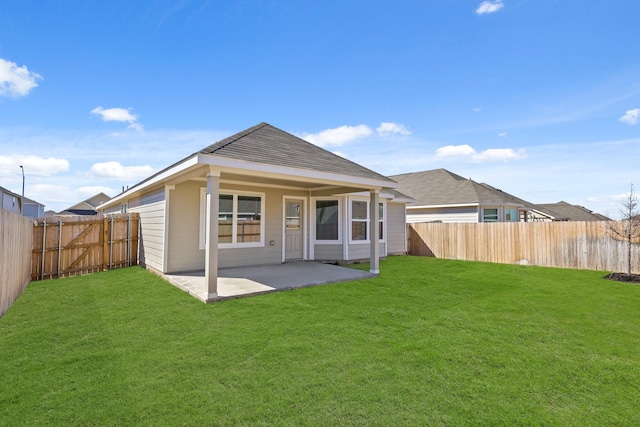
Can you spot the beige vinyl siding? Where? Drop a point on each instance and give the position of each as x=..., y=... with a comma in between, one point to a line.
x=360, y=251
x=330, y=252
x=151, y=208
x=454, y=214
x=183, y=252
x=111, y=210
x=396, y=228
x=273, y=217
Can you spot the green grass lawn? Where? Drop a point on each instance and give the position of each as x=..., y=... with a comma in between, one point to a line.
x=429, y=342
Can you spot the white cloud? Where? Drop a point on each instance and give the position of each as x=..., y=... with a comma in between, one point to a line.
x=502, y=134
x=498, y=155
x=48, y=193
x=90, y=191
x=16, y=81
x=338, y=136
x=489, y=7
x=119, y=115
x=631, y=117
x=115, y=171
x=387, y=129
x=455, y=151
x=476, y=109
x=489, y=155
x=33, y=165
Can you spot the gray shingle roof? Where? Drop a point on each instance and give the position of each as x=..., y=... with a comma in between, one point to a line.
x=266, y=144
x=573, y=212
x=441, y=187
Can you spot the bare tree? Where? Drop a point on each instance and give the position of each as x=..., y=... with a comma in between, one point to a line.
x=628, y=228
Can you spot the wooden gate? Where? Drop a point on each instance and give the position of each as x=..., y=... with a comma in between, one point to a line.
x=72, y=246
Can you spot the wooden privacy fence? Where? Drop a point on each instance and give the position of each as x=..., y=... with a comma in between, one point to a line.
x=16, y=235
x=77, y=245
x=571, y=244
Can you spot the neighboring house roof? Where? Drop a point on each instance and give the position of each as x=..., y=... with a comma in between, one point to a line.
x=86, y=207
x=440, y=187
x=572, y=212
x=276, y=156
x=96, y=200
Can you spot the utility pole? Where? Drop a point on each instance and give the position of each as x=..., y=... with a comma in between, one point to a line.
x=22, y=200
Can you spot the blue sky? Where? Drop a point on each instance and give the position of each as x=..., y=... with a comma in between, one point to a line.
x=538, y=98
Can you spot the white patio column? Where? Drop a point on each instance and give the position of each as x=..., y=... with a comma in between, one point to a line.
x=374, y=237
x=211, y=245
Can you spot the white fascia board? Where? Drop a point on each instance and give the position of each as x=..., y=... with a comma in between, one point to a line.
x=458, y=205
x=386, y=195
x=402, y=199
x=285, y=172
x=383, y=195
x=503, y=205
x=154, y=180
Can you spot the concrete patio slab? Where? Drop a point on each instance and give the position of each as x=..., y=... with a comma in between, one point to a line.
x=246, y=281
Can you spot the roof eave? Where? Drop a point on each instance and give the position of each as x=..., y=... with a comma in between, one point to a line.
x=454, y=205
x=152, y=181
x=286, y=172
x=235, y=165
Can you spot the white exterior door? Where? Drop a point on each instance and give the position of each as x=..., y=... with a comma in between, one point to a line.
x=293, y=221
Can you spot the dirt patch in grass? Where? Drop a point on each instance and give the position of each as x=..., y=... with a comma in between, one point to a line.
x=623, y=277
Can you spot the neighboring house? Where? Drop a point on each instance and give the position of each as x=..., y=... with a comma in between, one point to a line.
x=263, y=196
x=11, y=201
x=443, y=196
x=563, y=211
x=86, y=207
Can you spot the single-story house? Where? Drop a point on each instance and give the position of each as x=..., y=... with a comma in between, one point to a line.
x=259, y=197
x=443, y=196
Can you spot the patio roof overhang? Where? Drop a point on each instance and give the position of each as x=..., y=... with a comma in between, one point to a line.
x=234, y=171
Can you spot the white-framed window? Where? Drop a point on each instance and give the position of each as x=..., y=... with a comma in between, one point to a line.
x=359, y=220
x=327, y=220
x=359, y=224
x=490, y=215
x=124, y=208
x=511, y=215
x=240, y=219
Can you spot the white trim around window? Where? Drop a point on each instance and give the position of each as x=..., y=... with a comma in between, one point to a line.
x=365, y=220
x=235, y=221
x=313, y=216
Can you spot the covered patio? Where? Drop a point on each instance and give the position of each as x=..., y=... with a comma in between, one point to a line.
x=247, y=281
x=262, y=197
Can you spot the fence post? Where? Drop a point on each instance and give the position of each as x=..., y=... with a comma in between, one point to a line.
x=111, y=242
x=44, y=246
x=105, y=242
x=128, y=240
x=59, y=245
